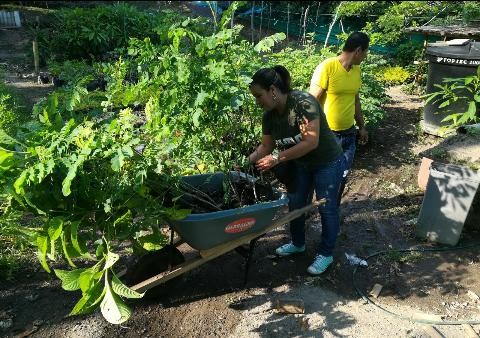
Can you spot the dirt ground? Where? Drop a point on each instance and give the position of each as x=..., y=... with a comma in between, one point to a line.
x=379, y=209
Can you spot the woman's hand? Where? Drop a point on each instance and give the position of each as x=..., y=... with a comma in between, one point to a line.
x=266, y=163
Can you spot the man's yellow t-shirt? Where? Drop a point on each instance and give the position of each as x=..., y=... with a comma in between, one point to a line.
x=340, y=87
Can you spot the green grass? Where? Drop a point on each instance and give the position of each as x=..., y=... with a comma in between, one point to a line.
x=16, y=252
x=13, y=110
x=397, y=256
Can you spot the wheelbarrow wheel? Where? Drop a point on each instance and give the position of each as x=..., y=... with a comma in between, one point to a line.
x=152, y=264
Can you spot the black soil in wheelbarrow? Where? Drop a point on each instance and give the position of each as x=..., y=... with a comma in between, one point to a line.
x=240, y=194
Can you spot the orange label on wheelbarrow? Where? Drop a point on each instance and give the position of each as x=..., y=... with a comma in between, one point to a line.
x=240, y=225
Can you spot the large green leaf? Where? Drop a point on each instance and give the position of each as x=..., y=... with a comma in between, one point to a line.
x=177, y=214
x=70, y=279
x=153, y=242
x=72, y=172
x=55, y=226
x=68, y=250
x=123, y=225
x=472, y=110
x=117, y=160
x=89, y=300
x=42, y=244
x=122, y=290
x=110, y=259
x=6, y=139
x=444, y=104
x=266, y=44
x=77, y=242
x=89, y=277
x=114, y=310
x=7, y=160
x=19, y=182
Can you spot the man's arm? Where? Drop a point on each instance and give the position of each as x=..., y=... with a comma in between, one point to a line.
x=316, y=91
x=360, y=121
x=319, y=81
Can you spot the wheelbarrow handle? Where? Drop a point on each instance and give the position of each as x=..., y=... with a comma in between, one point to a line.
x=247, y=238
x=291, y=215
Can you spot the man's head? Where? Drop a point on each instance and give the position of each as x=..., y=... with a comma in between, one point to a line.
x=357, y=44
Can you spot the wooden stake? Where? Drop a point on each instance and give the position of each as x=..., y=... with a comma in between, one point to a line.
x=300, y=26
x=36, y=56
x=316, y=16
x=288, y=17
x=305, y=25
x=261, y=22
x=251, y=20
x=331, y=26
x=269, y=16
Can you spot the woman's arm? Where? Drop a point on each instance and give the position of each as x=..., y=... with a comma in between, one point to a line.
x=265, y=148
x=310, y=133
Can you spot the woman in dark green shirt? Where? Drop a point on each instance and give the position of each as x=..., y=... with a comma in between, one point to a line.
x=295, y=130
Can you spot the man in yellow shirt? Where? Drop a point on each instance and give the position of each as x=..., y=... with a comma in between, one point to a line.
x=336, y=83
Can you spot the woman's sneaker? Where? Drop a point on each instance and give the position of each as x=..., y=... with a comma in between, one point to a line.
x=320, y=264
x=288, y=249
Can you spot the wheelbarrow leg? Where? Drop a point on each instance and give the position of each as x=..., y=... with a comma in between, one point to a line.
x=249, y=259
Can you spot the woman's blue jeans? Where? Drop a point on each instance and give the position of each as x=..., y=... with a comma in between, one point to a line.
x=326, y=180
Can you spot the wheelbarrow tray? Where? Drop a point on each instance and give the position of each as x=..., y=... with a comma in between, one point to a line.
x=207, y=230
x=207, y=255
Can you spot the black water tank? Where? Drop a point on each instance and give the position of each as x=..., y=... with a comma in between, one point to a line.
x=447, y=60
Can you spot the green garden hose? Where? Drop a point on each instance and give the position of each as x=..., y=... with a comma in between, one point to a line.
x=425, y=321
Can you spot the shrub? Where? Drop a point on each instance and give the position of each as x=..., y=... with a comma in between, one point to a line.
x=71, y=71
x=393, y=75
x=408, y=52
x=12, y=110
x=82, y=33
x=459, y=99
x=471, y=12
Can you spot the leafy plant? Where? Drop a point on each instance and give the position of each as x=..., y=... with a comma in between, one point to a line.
x=108, y=176
x=13, y=245
x=390, y=18
x=407, y=53
x=372, y=92
x=394, y=75
x=72, y=71
x=301, y=62
x=459, y=98
x=12, y=108
x=471, y=12
x=90, y=33
x=101, y=170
